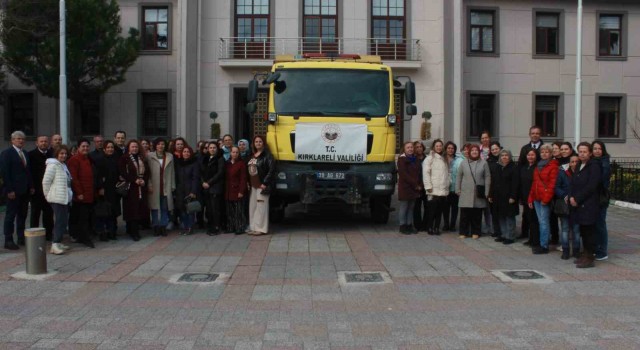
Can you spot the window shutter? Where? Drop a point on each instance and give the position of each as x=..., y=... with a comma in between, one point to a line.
x=609, y=22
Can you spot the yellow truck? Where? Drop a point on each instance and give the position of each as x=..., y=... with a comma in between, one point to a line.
x=331, y=130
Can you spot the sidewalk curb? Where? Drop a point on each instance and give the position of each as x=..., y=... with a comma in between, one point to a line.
x=622, y=204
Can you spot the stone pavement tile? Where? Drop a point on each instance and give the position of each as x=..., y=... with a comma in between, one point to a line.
x=181, y=345
x=246, y=331
x=47, y=343
x=267, y=292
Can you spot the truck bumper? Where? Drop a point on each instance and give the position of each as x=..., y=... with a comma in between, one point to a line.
x=311, y=183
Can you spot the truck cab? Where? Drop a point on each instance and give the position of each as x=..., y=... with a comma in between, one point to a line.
x=331, y=131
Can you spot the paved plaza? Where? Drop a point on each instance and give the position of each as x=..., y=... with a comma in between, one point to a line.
x=283, y=291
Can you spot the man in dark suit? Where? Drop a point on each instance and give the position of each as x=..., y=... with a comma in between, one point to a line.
x=120, y=139
x=534, y=143
x=18, y=185
x=37, y=165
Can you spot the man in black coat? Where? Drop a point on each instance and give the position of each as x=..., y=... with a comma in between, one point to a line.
x=120, y=139
x=534, y=143
x=18, y=186
x=39, y=205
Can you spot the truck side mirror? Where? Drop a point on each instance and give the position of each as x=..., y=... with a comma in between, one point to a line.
x=410, y=92
x=411, y=110
x=252, y=92
x=272, y=78
x=251, y=107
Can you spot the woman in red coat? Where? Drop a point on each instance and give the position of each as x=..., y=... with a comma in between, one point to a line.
x=235, y=191
x=542, y=191
x=409, y=187
x=133, y=170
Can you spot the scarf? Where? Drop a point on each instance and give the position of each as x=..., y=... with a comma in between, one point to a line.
x=247, y=150
x=139, y=170
x=542, y=163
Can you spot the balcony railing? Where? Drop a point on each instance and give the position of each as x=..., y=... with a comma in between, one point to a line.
x=268, y=48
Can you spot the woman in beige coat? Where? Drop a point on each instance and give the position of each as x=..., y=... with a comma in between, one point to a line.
x=435, y=176
x=161, y=186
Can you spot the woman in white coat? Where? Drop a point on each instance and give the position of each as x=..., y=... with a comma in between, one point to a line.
x=435, y=176
x=161, y=187
x=56, y=185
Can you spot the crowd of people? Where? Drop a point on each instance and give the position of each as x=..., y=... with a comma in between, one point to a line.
x=563, y=193
x=224, y=186
x=221, y=186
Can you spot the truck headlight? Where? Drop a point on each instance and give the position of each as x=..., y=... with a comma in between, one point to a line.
x=282, y=176
x=391, y=119
x=384, y=177
x=272, y=117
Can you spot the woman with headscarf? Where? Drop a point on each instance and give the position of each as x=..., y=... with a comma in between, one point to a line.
x=504, y=196
x=245, y=150
x=472, y=186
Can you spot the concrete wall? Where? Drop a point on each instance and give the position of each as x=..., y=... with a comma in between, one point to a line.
x=517, y=75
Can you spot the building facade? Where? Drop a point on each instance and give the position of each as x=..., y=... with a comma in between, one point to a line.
x=498, y=65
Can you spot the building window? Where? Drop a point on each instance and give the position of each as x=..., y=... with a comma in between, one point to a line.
x=547, y=115
x=609, y=114
x=155, y=28
x=87, y=116
x=252, y=20
x=21, y=107
x=547, y=33
x=320, y=26
x=388, y=29
x=483, y=31
x=155, y=113
x=482, y=114
x=610, y=35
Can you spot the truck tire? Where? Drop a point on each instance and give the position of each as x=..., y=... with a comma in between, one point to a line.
x=380, y=209
x=276, y=210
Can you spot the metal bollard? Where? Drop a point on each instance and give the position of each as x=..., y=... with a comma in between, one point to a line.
x=36, y=251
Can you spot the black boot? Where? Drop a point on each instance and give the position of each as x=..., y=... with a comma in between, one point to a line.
x=565, y=254
x=112, y=236
x=104, y=236
x=163, y=231
x=156, y=231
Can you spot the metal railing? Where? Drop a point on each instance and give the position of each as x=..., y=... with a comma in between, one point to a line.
x=267, y=48
x=625, y=179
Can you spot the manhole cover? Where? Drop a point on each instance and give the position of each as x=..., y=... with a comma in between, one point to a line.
x=198, y=277
x=530, y=276
x=364, y=277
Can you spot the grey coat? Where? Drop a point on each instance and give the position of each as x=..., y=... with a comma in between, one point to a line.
x=466, y=187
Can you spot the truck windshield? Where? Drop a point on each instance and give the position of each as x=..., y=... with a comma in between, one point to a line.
x=332, y=92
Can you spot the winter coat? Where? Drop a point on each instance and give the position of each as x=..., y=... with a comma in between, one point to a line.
x=526, y=180
x=37, y=167
x=165, y=172
x=107, y=175
x=409, y=183
x=435, y=175
x=135, y=206
x=605, y=170
x=585, y=190
x=266, y=166
x=504, y=186
x=544, y=182
x=563, y=184
x=454, y=164
x=212, y=172
x=466, y=187
x=187, y=181
x=81, y=170
x=56, y=183
x=236, y=180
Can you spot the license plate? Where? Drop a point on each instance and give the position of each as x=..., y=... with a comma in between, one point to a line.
x=329, y=175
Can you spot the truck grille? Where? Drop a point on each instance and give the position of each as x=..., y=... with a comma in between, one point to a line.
x=292, y=138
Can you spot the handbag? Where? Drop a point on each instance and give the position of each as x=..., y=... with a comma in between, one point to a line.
x=480, y=189
x=560, y=207
x=102, y=209
x=122, y=188
x=193, y=205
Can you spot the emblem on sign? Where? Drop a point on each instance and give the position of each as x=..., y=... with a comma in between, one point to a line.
x=331, y=133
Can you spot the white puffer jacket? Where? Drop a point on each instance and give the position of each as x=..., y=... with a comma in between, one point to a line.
x=435, y=175
x=56, y=183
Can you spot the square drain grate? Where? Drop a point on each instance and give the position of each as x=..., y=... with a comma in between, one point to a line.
x=525, y=276
x=196, y=277
x=363, y=278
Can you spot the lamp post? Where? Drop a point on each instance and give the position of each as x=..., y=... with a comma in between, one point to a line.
x=63, y=74
x=578, y=97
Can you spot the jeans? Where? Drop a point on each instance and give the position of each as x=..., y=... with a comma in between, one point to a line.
x=542, y=211
x=487, y=226
x=602, y=234
x=508, y=227
x=564, y=235
x=61, y=220
x=163, y=213
x=187, y=219
x=405, y=214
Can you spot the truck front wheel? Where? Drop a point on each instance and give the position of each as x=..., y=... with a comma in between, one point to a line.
x=380, y=209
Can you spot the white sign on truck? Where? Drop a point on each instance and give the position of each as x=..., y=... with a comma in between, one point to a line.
x=334, y=143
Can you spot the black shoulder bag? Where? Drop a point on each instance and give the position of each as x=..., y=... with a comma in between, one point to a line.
x=479, y=188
